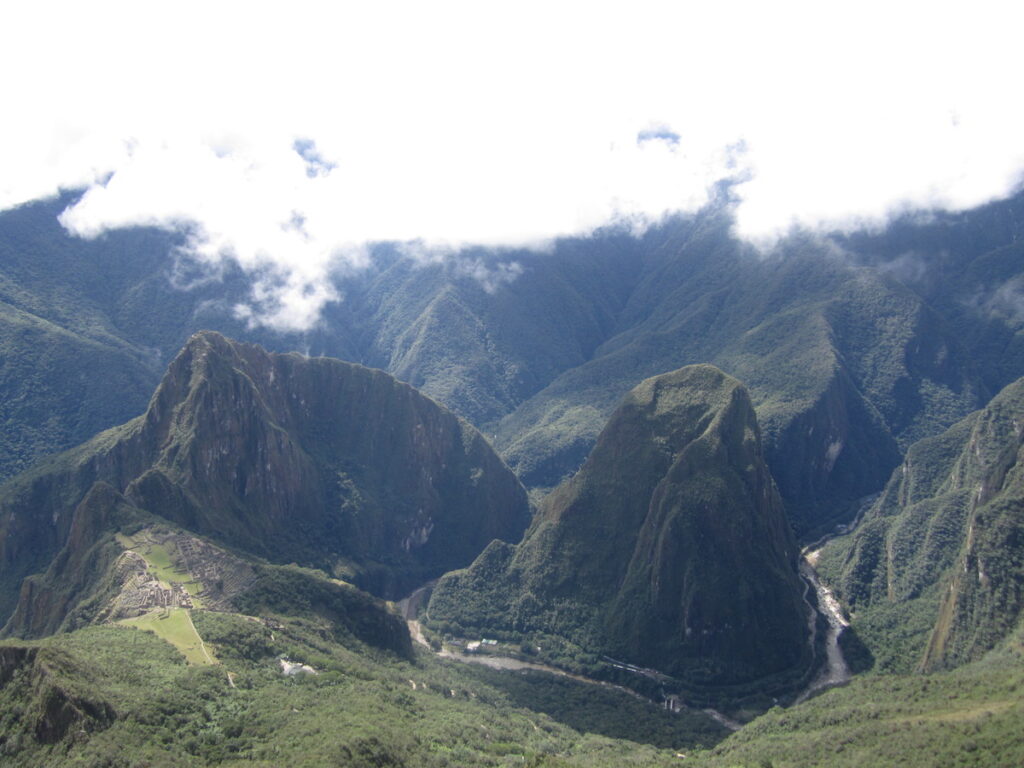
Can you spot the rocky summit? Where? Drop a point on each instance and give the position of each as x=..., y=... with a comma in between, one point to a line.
x=668, y=549
x=288, y=458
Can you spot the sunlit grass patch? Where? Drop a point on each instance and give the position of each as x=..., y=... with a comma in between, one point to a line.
x=175, y=626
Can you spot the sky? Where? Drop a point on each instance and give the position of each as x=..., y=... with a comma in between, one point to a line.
x=288, y=136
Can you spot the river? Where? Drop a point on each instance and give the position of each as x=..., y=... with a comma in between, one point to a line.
x=836, y=671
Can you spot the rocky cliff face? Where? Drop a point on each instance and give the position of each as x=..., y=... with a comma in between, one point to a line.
x=668, y=549
x=830, y=453
x=313, y=461
x=35, y=680
x=941, y=546
x=325, y=462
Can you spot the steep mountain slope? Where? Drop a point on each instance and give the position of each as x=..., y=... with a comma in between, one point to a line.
x=843, y=364
x=853, y=346
x=968, y=267
x=483, y=331
x=669, y=549
x=479, y=332
x=87, y=327
x=933, y=573
x=295, y=459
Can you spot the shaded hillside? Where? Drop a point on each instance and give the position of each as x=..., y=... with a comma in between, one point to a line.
x=933, y=574
x=669, y=549
x=483, y=331
x=852, y=346
x=843, y=363
x=480, y=332
x=302, y=460
x=87, y=327
x=968, y=266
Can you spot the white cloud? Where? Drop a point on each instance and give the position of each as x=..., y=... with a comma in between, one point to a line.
x=458, y=123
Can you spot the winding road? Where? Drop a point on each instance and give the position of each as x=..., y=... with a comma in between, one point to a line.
x=410, y=606
x=835, y=672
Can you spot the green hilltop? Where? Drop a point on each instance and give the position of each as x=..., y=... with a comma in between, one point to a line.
x=669, y=549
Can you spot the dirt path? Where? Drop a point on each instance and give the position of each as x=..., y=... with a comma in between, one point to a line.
x=721, y=719
x=202, y=644
x=410, y=606
x=417, y=632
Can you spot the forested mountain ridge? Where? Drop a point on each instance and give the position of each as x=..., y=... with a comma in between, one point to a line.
x=852, y=346
x=933, y=571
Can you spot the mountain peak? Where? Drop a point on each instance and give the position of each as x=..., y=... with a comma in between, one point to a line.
x=668, y=549
x=293, y=459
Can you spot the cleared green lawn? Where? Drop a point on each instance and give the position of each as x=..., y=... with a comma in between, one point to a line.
x=159, y=560
x=175, y=626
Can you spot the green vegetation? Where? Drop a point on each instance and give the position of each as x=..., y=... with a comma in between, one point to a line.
x=972, y=716
x=126, y=697
x=932, y=575
x=175, y=626
x=344, y=612
x=392, y=489
x=135, y=700
x=839, y=362
x=590, y=708
x=669, y=549
x=849, y=358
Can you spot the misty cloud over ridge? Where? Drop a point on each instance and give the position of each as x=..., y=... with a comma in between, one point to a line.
x=289, y=141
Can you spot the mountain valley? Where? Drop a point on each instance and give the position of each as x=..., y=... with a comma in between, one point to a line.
x=612, y=457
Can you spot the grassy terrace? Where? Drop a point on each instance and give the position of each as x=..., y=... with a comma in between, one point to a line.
x=176, y=627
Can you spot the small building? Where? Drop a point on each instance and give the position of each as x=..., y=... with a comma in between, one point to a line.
x=291, y=669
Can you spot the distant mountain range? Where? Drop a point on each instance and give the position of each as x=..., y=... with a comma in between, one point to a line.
x=852, y=346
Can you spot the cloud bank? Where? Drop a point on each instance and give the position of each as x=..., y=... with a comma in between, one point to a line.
x=288, y=139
